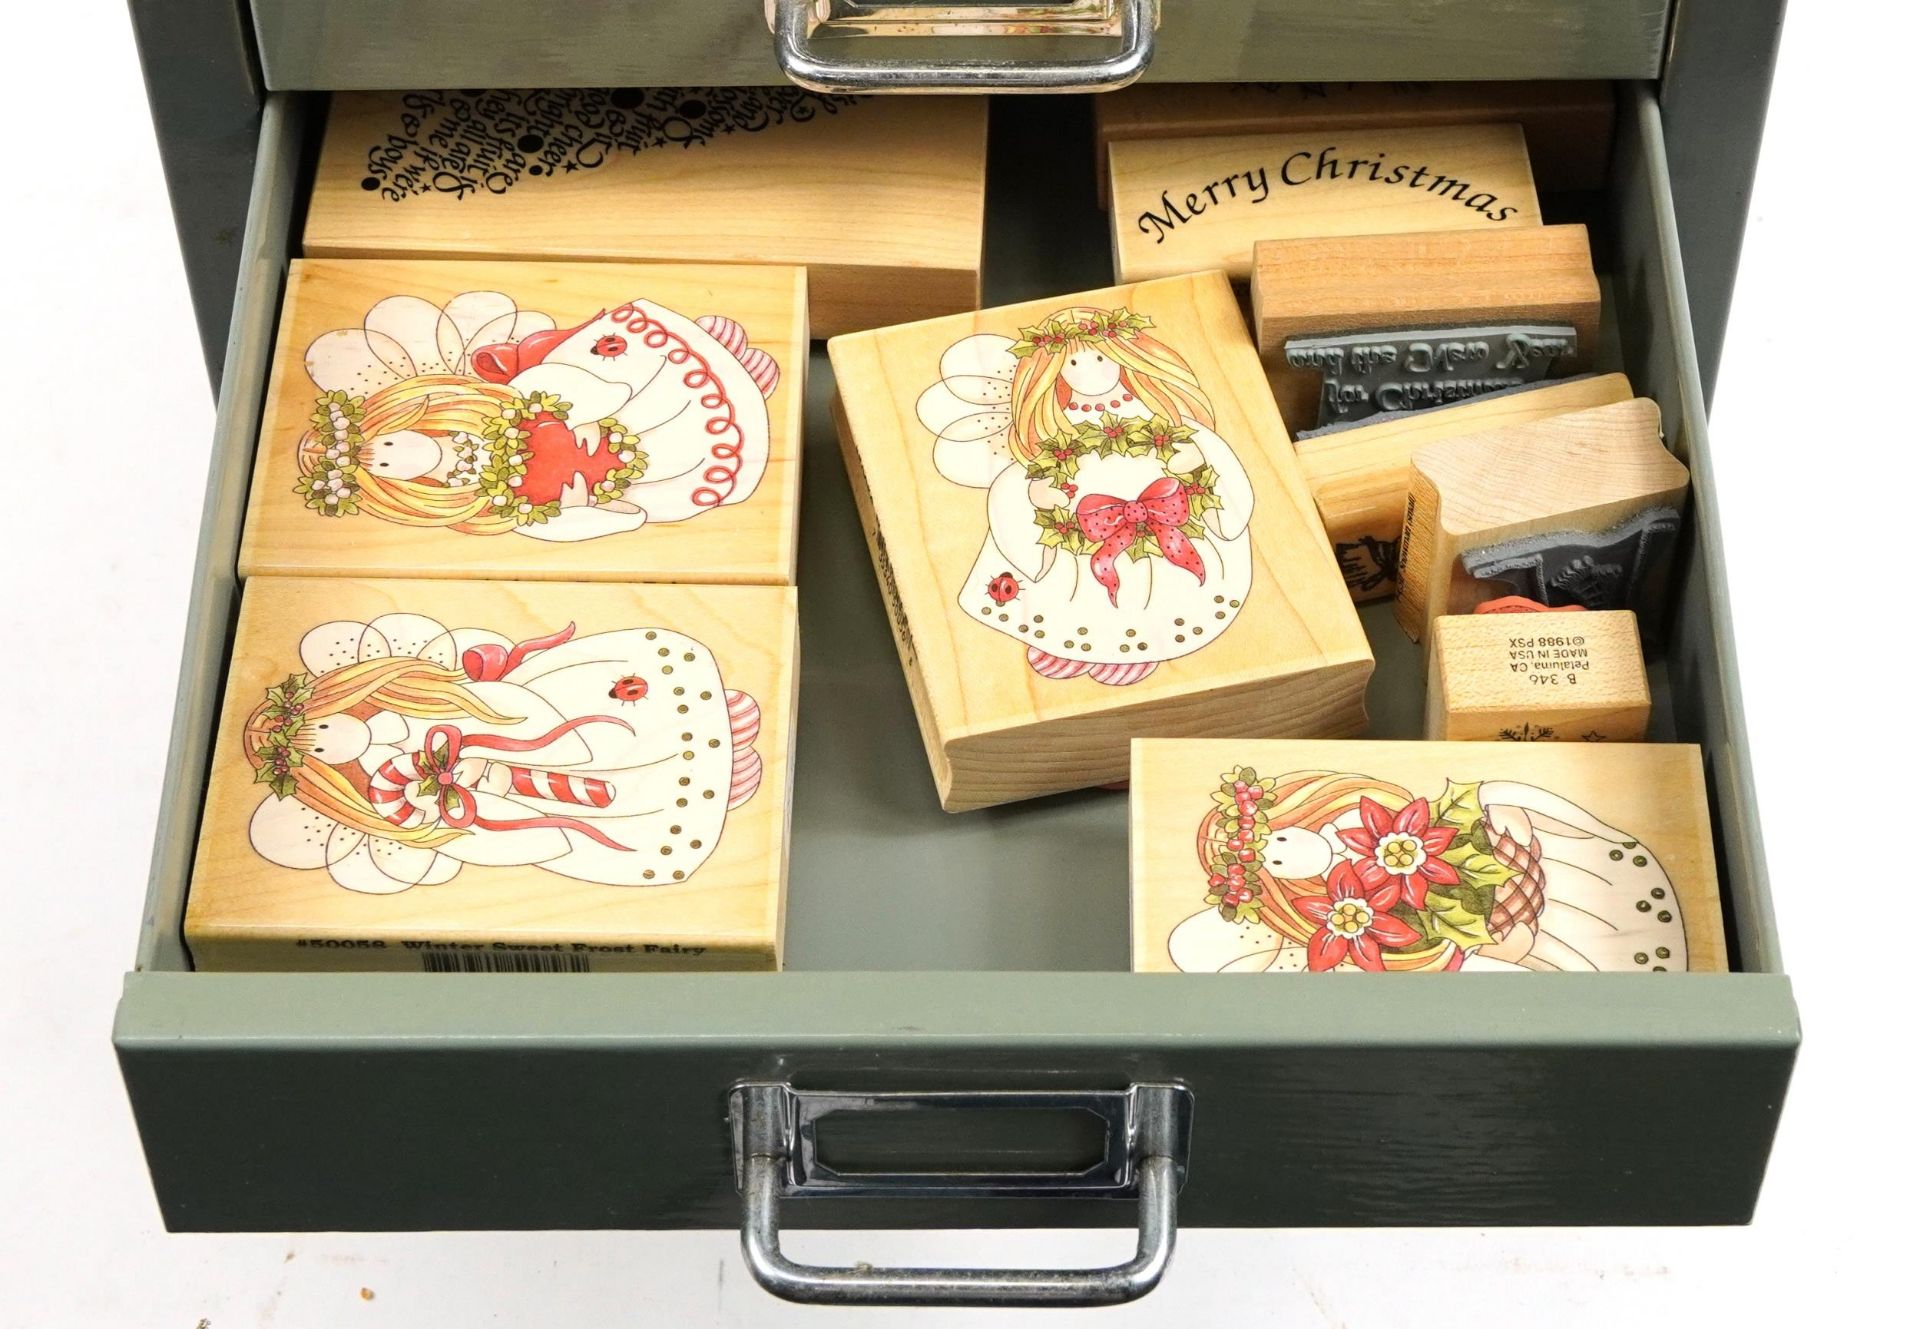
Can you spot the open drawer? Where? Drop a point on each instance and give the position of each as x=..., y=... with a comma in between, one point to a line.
x=985, y=951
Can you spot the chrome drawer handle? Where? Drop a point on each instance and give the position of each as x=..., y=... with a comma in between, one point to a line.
x=802, y=62
x=776, y=1153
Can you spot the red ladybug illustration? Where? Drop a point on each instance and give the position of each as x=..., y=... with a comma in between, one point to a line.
x=610, y=346
x=1002, y=588
x=629, y=689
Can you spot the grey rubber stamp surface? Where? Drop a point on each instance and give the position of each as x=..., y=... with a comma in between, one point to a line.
x=1364, y=374
x=1619, y=568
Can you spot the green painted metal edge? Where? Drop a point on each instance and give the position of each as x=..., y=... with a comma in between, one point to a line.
x=1703, y=673
x=215, y=585
x=334, y=44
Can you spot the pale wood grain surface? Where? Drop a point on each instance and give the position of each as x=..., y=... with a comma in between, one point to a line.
x=245, y=912
x=1295, y=660
x=1424, y=280
x=1654, y=795
x=1568, y=124
x=750, y=541
x=883, y=199
x=1570, y=677
x=1359, y=476
x=1584, y=471
x=1181, y=204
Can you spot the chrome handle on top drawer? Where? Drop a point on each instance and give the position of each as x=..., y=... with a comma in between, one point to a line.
x=778, y=1155
x=796, y=24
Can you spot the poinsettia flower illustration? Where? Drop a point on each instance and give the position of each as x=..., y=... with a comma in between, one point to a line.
x=1354, y=922
x=1402, y=850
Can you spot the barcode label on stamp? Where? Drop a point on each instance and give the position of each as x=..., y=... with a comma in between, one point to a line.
x=505, y=962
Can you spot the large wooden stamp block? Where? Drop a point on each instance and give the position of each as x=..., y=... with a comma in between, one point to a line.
x=882, y=199
x=1568, y=123
x=1441, y=279
x=554, y=421
x=471, y=776
x=1358, y=473
x=1089, y=525
x=1579, y=509
x=1538, y=677
x=1185, y=204
x=1290, y=857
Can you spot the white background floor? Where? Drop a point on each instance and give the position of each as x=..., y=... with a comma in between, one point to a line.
x=101, y=466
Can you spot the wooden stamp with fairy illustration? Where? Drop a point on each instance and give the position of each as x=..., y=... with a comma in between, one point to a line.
x=485, y=777
x=1089, y=525
x=1312, y=857
x=537, y=421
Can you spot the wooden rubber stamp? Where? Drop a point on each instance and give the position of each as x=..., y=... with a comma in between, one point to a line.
x=1365, y=374
x=1186, y=204
x=1358, y=473
x=1342, y=285
x=687, y=175
x=1568, y=123
x=1576, y=509
x=1088, y=525
x=553, y=421
x=1310, y=857
x=499, y=777
x=1537, y=677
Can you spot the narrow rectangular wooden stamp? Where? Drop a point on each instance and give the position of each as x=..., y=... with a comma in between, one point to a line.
x=1358, y=473
x=499, y=777
x=882, y=199
x=1186, y=204
x=1343, y=285
x=1568, y=123
x=1291, y=857
x=1538, y=677
x=541, y=421
x=1582, y=509
x=1088, y=524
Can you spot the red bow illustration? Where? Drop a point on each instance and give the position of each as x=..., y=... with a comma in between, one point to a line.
x=457, y=805
x=1160, y=511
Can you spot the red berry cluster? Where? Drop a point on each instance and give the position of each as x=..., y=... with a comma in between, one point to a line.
x=1232, y=883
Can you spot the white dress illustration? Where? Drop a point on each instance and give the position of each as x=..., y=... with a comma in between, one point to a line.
x=1116, y=533
x=622, y=755
x=1580, y=895
x=485, y=417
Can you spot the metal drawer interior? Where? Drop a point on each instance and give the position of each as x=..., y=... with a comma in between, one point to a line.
x=928, y=951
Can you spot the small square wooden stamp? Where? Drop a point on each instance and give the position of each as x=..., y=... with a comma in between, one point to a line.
x=1568, y=123
x=1088, y=524
x=882, y=199
x=1358, y=473
x=542, y=421
x=1339, y=285
x=1291, y=857
x=1578, y=509
x=472, y=776
x=1184, y=204
x=1557, y=675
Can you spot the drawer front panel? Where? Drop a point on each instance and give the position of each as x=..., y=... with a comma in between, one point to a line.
x=358, y=1101
x=322, y=44
x=384, y=1101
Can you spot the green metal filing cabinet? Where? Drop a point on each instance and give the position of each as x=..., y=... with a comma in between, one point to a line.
x=934, y=957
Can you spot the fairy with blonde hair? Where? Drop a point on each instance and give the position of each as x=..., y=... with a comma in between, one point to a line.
x=485, y=419
x=1116, y=516
x=404, y=750
x=1320, y=871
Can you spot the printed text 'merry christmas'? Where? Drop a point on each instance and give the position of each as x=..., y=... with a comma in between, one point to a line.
x=1306, y=167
